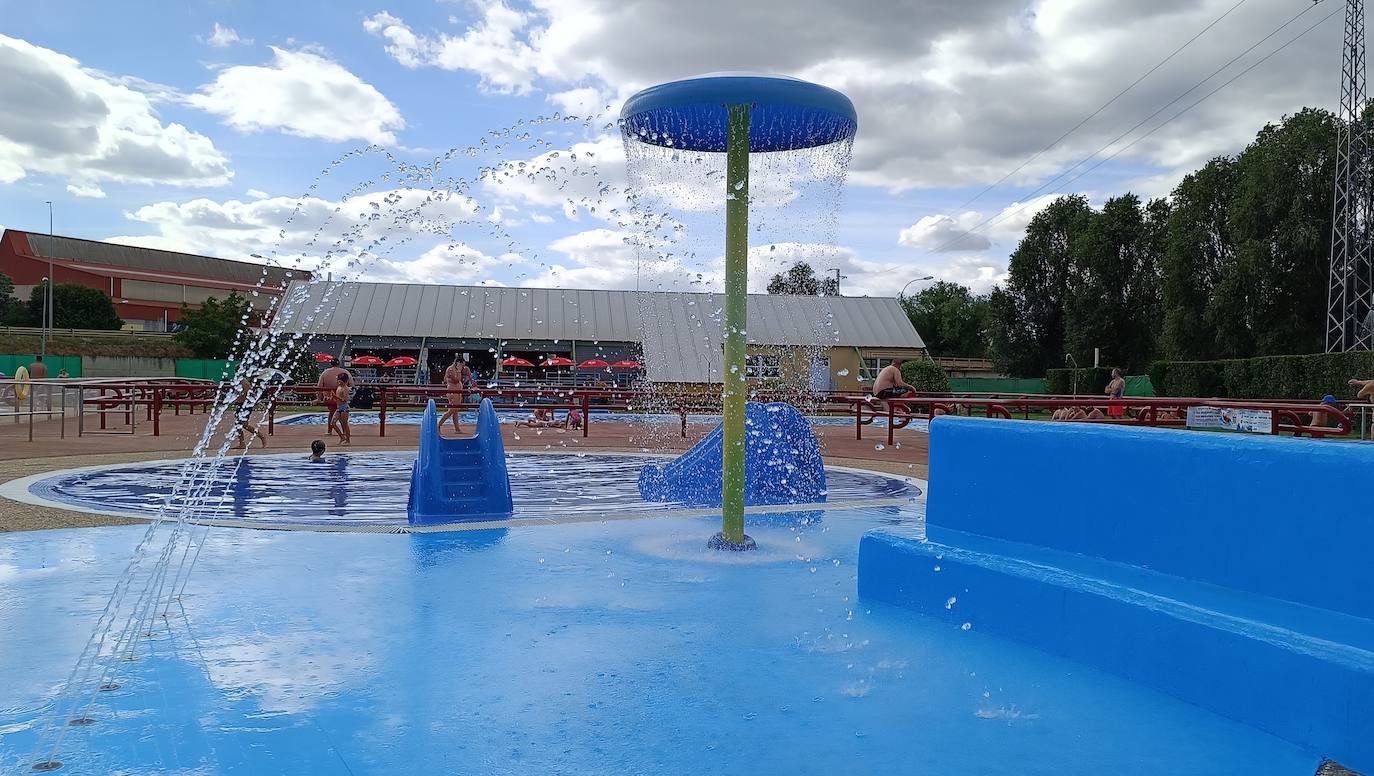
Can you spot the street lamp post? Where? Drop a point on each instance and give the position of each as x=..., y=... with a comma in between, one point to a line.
x=48, y=317
x=838, y=276
x=902, y=293
x=43, y=340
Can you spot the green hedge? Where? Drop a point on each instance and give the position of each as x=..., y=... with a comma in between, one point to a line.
x=925, y=376
x=1265, y=377
x=1002, y=385
x=1090, y=380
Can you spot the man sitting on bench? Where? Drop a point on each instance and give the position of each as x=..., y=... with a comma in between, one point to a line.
x=890, y=384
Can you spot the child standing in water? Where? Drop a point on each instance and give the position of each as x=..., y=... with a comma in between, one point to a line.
x=343, y=394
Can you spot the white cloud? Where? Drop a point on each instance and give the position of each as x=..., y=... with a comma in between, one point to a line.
x=88, y=190
x=941, y=233
x=70, y=121
x=585, y=102
x=971, y=231
x=310, y=230
x=301, y=93
x=257, y=194
x=223, y=37
x=451, y=264
x=609, y=258
x=1010, y=222
x=494, y=47
x=961, y=98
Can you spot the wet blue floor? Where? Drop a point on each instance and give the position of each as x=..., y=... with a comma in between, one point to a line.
x=591, y=648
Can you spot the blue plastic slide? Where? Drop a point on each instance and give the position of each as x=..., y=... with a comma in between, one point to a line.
x=460, y=480
x=782, y=464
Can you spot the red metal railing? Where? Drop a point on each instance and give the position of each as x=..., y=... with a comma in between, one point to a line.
x=127, y=399
x=1288, y=416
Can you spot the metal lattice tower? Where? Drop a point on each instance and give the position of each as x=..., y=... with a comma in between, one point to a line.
x=1348, y=309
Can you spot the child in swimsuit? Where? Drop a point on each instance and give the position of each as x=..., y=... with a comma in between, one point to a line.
x=344, y=393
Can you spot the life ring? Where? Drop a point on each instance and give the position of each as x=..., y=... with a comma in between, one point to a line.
x=21, y=384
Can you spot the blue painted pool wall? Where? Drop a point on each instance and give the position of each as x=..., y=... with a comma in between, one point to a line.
x=1229, y=571
x=1282, y=517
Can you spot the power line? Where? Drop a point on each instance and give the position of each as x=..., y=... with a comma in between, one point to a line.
x=1052, y=182
x=1100, y=108
x=993, y=219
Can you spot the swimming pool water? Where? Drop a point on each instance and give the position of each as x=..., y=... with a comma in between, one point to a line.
x=370, y=489
x=621, y=647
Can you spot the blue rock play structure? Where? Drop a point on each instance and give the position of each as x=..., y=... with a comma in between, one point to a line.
x=460, y=480
x=1231, y=571
x=782, y=464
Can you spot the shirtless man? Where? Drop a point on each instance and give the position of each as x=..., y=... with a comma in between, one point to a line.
x=890, y=384
x=328, y=384
x=456, y=378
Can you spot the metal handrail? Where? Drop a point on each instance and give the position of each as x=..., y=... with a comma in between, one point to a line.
x=1287, y=415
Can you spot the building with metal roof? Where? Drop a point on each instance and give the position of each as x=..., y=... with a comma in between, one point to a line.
x=147, y=285
x=825, y=341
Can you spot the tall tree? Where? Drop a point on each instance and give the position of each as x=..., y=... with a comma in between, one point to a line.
x=1281, y=222
x=950, y=319
x=800, y=280
x=1029, y=314
x=210, y=331
x=1198, y=246
x=1113, y=293
x=75, y=306
x=12, y=311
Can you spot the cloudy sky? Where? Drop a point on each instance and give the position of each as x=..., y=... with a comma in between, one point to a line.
x=205, y=126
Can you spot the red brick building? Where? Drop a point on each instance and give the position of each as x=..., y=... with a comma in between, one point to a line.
x=148, y=286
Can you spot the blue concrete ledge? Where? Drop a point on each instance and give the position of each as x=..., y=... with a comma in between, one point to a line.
x=1222, y=570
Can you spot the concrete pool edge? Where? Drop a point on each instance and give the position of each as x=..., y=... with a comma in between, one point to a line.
x=19, y=490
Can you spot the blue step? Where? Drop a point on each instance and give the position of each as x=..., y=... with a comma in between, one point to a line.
x=1300, y=672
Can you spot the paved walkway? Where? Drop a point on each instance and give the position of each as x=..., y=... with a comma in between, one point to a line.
x=49, y=452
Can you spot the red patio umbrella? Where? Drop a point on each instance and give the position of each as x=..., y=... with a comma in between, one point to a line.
x=626, y=364
x=593, y=363
x=515, y=361
x=557, y=361
x=402, y=361
x=367, y=361
x=323, y=358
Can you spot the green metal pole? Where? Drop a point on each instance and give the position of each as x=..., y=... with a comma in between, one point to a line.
x=736, y=320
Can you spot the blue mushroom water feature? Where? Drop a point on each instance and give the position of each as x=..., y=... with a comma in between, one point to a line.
x=736, y=114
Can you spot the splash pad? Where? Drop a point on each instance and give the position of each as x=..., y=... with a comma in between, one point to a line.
x=736, y=114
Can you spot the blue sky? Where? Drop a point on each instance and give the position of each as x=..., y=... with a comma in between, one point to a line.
x=199, y=126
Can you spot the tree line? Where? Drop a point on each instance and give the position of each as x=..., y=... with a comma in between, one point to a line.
x=1233, y=263
x=74, y=307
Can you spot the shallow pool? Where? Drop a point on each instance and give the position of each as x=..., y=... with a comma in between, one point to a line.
x=621, y=647
x=370, y=489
